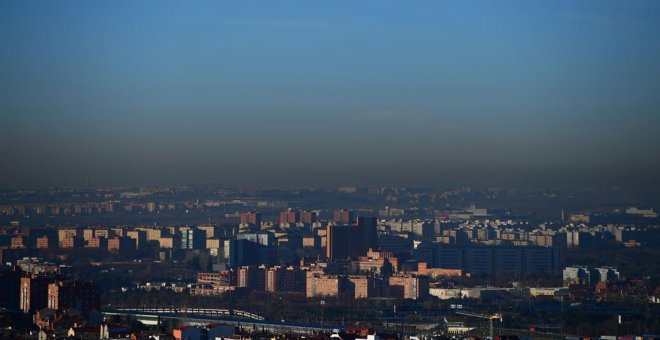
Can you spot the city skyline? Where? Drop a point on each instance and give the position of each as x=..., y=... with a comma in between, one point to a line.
x=296, y=94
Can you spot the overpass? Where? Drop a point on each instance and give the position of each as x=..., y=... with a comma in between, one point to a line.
x=204, y=316
x=191, y=311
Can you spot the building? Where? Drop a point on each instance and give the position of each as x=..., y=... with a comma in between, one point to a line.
x=280, y=279
x=365, y=287
x=44, y=242
x=87, y=234
x=369, y=230
x=153, y=234
x=214, y=243
x=343, y=242
x=289, y=217
x=589, y=276
x=251, y=219
x=264, y=238
x=193, y=238
x=34, y=292
x=322, y=285
x=482, y=259
x=81, y=295
x=479, y=260
x=18, y=241
x=10, y=283
x=122, y=244
x=251, y=277
x=98, y=242
x=409, y=286
x=345, y=217
x=395, y=243
x=139, y=236
x=72, y=242
x=308, y=217
x=605, y=274
x=249, y=249
x=374, y=261
x=63, y=234
x=105, y=233
x=169, y=242
x=422, y=269
x=311, y=241
x=220, y=278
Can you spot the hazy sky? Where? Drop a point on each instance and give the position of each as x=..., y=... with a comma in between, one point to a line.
x=326, y=93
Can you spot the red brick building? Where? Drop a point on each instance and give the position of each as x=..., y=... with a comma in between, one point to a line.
x=44, y=242
x=219, y=278
x=251, y=218
x=319, y=285
x=344, y=217
x=122, y=244
x=290, y=217
x=308, y=217
x=72, y=242
x=252, y=277
x=18, y=241
x=280, y=279
x=365, y=287
x=80, y=295
x=33, y=293
x=409, y=286
x=97, y=242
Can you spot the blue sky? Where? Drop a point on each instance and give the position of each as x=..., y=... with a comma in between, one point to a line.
x=312, y=93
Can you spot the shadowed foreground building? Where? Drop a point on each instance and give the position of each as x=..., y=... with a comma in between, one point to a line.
x=80, y=295
x=351, y=241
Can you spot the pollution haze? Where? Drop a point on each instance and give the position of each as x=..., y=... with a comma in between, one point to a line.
x=297, y=93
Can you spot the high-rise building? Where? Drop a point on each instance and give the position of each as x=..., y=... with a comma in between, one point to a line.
x=308, y=217
x=251, y=219
x=34, y=292
x=409, y=286
x=319, y=285
x=140, y=237
x=289, y=217
x=280, y=279
x=365, y=287
x=10, y=283
x=81, y=295
x=344, y=217
x=252, y=277
x=121, y=244
x=211, y=230
x=351, y=241
x=369, y=228
x=343, y=241
x=193, y=238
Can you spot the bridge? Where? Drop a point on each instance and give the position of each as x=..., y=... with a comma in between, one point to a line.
x=204, y=316
x=191, y=311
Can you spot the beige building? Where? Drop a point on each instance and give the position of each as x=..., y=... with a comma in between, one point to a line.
x=63, y=234
x=319, y=284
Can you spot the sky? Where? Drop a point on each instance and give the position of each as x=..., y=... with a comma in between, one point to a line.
x=306, y=93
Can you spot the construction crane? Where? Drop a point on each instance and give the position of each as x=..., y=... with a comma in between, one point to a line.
x=490, y=317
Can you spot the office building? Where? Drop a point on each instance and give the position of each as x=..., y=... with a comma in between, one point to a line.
x=193, y=238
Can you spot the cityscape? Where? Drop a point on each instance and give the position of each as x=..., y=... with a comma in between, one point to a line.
x=386, y=262
x=371, y=170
